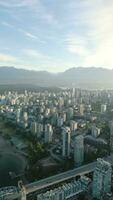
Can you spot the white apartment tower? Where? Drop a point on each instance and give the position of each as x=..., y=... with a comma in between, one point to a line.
x=103, y=108
x=81, y=109
x=73, y=125
x=48, y=133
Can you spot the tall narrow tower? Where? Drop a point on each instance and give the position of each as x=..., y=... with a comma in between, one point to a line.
x=111, y=135
x=79, y=150
x=66, y=142
x=102, y=179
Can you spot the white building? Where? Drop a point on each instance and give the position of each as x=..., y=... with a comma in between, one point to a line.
x=64, y=116
x=48, y=133
x=73, y=125
x=81, y=109
x=25, y=116
x=47, y=112
x=18, y=115
x=103, y=108
x=61, y=102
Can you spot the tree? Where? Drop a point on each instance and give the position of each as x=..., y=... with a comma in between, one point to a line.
x=36, y=152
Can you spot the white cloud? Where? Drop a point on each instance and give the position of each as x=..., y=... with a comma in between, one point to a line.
x=13, y=3
x=35, y=54
x=49, y=18
x=32, y=53
x=30, y=35
x=76, y=45
x=7, y=24
x=18, y=3
x=101, y=36
x=95, y=47
x=87, y=25
x=7, y=58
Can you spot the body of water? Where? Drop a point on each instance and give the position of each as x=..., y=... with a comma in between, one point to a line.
x=10, y=162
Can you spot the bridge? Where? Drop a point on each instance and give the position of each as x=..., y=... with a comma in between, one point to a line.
x=47, y=182
x=41, y=184
x=13, y=192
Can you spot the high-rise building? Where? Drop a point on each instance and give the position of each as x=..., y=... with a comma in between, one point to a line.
x=70, y=113
x=103, y=108
x=89, y=108
x=73, y=92
x=34, y=128
x=48, y=133
x=25, y=116
x=54, y=118
x=60, y=121
x=81, y=109
x=18, y=115
x=66, y=142
x=73, y=125
x=39, y=130
x=111, y=135
x=61, y=102
x=64, y=116
x=102, y=179
x=67, y=190
x=47, y=112
x=79, y=150
x=95, y=131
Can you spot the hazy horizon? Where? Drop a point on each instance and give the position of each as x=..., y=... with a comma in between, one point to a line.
x=56, y=35
x=56, y=72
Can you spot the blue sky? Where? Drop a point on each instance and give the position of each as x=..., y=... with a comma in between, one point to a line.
x=55, y=35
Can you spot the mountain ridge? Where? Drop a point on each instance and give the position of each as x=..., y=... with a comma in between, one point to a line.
x=90, y=77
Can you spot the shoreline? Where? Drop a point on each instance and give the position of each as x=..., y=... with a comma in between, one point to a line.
x=7, y=150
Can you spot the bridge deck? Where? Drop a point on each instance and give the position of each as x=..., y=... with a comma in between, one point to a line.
x=41, y=184
x=85, y=169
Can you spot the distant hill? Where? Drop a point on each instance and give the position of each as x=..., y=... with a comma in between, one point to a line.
x=92, y=78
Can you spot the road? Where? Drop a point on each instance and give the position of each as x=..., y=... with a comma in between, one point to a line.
x=41, y=184
x=85, y=169
x=53, y=155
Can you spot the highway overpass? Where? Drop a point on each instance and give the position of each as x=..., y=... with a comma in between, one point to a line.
x=41, y=184
x=85, y=169
x=36, y=186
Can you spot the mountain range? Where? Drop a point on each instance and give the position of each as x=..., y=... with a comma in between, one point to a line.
x=91, y=77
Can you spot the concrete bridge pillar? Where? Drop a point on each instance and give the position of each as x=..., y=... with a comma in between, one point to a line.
x=23, y=190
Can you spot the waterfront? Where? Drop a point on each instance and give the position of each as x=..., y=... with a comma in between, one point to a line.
x=10, y=161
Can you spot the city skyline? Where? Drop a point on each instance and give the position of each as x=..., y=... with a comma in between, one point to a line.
x=55, y=36
x=51, y=139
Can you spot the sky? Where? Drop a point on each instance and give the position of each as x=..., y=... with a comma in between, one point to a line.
x=56, y=35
